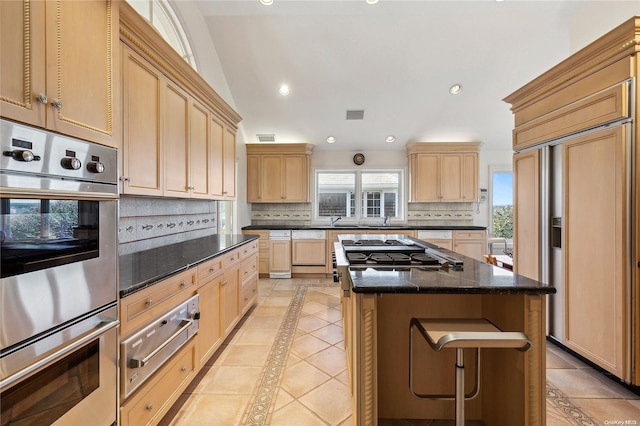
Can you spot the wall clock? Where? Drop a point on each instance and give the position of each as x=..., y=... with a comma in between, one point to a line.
x=358, y=159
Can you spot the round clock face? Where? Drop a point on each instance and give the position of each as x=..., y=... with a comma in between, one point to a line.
x=358, y=159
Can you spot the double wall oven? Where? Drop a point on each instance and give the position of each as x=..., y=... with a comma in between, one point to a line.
x=58, y=285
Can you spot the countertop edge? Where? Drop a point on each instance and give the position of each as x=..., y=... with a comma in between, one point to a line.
x=391, y=228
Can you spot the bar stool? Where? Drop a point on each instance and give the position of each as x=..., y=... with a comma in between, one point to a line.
x=462, y=333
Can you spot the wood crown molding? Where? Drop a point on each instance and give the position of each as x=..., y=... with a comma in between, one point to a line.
x=136, y=32
x=420, y=147
x=280, y=148
x=620, y=42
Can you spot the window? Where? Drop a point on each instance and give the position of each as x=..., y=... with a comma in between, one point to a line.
x=359, y=194
x=501, y=201
x=160, y=14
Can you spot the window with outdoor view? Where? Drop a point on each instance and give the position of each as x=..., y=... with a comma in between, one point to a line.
x=359, y=194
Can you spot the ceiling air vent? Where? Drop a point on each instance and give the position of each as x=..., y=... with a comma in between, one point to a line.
x=355, y=114
x=266, y=137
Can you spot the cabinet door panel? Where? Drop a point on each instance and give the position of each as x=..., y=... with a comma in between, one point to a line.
x=229, y=307
x=279, y=256
x=210, y=332
x=22, y=69
x=451, y=177
x=229, y=178
x=142, y=156
x=217, y=157
x=470, y=177
x=594, y=255
x=295, y=188
x=253, y=179
x=426, y=185
x=199, y=153
x=82, y=68
x=271, y=173
x=526, y=214
x=175, y=121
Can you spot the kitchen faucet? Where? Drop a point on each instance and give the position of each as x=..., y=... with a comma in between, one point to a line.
x=333, y=221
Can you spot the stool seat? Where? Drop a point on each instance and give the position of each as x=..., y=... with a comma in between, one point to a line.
x=460, y=333
x=469, y=333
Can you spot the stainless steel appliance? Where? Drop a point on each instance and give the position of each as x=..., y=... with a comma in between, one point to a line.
x=397, y=252
x=58, y=332
x=148, y=349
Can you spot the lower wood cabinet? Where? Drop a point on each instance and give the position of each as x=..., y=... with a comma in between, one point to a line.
x=154, y=399
x=470, y=243
x=210, y=330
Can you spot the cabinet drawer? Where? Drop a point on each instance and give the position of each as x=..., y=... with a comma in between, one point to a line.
x=248, y=267
x=248, y=292
x=209, y=268
x=156, y=397
x=248, y=248
x=469, y=235
x=141, y=307
x=230, y=259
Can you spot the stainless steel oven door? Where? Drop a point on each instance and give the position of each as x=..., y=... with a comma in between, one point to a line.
x=74, y=383
x=58, y=263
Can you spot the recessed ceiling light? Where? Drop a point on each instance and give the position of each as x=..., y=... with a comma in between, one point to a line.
x=390, y=139
x=372, y=1
x=266, y=2
x=284, y=90
x=455, y=89
x=331, y=139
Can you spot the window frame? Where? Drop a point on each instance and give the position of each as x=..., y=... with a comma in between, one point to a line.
x=493, y=169
x=358, y=218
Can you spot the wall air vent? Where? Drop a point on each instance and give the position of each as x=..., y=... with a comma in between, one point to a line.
x=355, y=114
x=264, y=137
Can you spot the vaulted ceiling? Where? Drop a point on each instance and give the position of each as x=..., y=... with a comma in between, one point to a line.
x=396, y=60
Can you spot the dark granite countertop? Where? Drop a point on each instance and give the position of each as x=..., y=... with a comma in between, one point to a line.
x=475, y=278
x=144, y=268
x=392, y=227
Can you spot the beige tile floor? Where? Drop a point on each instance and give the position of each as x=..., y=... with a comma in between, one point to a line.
x=285, y=365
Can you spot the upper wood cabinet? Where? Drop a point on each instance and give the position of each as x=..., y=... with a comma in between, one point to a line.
x=526, y=214
x=60, y=67
x=179, y=134
x=443, y=172
x=278, y=173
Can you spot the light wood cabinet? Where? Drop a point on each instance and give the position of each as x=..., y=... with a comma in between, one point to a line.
x=594, y=246
x=308, y=252
x=279, y=256
x=443, y=172
x=470, y=243
x=52, y=77
x=179, y=134
x=278, y=173
x=263, y=250
x=526, y=214
x=210, y=330
x=141, y=153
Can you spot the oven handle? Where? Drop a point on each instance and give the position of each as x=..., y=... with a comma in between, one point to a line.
x=138, y=363
x=104, y=327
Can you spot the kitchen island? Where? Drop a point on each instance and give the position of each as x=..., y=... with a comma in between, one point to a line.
x=378, y=304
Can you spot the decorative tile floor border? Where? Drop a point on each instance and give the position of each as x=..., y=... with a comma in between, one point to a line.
x=260, y=406
x=566, y=406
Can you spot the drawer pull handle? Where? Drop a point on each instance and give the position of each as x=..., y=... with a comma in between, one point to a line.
x=212, y=269
x=149, y=407
x=148, y=302
x=182, y=284
x=183, y=369
x=138, y=363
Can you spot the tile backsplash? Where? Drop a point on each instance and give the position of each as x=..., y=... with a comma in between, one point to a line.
x=147, y=223
x=418, y=214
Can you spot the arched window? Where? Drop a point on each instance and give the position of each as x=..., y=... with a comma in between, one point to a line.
x=160, y=14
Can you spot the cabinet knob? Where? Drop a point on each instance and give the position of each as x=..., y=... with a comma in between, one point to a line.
x=182, y=284
x=183, y=369
x=124, y=179
x=56, y=104
x=211, y=269
x=42, y=98
x=148, y=302
x=224, y=283
x=149, y=407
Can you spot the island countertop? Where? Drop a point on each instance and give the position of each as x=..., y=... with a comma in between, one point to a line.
x=474, y=278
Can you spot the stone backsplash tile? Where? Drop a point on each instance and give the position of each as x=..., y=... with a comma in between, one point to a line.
x=153, y=222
